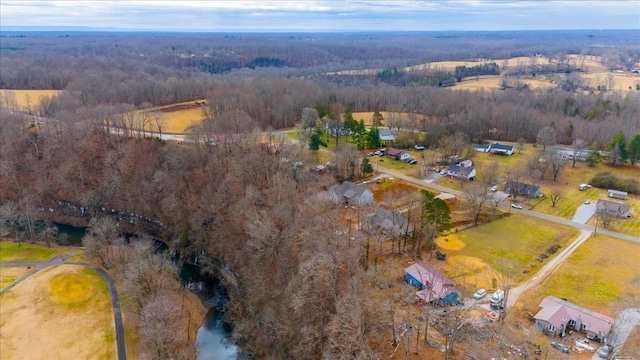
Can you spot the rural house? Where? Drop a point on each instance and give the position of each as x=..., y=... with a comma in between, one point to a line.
x=616, y=194
x=397, y=154
x=557, y=317
x=518, y=188
x=389, y=222
x=387, y=136
x=350, y=193
x=434, y=286
x=461, y=171
x=485, y=148
x=613, y=209
x=501, y=149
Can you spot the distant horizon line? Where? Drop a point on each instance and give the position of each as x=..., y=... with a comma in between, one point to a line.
x=55, y=28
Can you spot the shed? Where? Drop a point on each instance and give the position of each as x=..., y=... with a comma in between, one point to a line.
x=616, y=194
x=502, y=149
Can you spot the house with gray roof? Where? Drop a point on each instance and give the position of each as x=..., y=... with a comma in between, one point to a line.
x=468, y=173
x=558, y=316
x=387, y=136
x=518, y=188
x=350, y=193
x=390, y=222
x=613, y=209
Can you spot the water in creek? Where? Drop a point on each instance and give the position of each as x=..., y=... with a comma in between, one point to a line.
x=213, y=341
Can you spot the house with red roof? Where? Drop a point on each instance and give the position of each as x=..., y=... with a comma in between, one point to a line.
x=557, y=317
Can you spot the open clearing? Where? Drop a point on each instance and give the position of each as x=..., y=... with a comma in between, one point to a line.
x=9, y=274
x=514, y=241
x=12, y=251
x=601, y=275
x=62, y=312
x=178, y=116
x=26, y=98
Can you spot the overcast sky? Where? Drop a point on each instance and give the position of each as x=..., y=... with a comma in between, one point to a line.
x=327, y=15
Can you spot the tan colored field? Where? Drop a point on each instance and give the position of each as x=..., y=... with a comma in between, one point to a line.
x=62, y=312
x=601, y=275
x=621, y=82
x=9, y=274
x=26, y=98
x=178, y=116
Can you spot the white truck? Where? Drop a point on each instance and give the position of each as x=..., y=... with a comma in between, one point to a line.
x=497, y=299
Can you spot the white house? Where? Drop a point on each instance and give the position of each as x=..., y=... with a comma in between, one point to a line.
x=501, y=149
x=485, y=148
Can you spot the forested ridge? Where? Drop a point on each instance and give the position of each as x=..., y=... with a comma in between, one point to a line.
x=303, y=293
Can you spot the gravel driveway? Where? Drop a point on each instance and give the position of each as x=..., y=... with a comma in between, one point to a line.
x=584, y=212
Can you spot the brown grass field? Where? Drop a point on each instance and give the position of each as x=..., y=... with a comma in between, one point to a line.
x=601, y=275
x=24, y=98
x=179, y=116
x=63, y=312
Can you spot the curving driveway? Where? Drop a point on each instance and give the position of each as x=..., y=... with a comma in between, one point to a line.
x=113, y=293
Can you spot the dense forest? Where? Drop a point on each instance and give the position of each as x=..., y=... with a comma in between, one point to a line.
x=300, y=294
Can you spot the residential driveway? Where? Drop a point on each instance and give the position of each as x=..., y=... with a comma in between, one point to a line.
x=584, y=212
x=625, y=321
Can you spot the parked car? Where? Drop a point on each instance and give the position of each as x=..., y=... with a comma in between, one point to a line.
x=494, y=188
x=516, y=206
x=419, y=147
x=413, y=161
x=562, y=347
x=587, y=202
x=480, y=294
x=604, y=351
x=442, y=172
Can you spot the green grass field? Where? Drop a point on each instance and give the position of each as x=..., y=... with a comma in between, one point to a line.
x=11, y=251
x=601, y=275
x=514, y=241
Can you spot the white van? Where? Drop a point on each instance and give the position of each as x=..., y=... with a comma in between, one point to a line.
x=497, y=296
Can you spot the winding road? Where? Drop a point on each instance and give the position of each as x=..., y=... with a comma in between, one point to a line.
x=113, y=293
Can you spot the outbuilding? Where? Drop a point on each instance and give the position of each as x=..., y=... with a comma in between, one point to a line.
x=616, y=194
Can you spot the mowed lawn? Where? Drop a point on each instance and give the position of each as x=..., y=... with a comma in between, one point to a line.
x=12, y=251
x=602, y=275
x=62, y=312
x=28, y=98
x=512, y=242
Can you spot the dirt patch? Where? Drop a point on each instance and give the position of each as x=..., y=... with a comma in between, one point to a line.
x=9, y=274
x=35, y=326
x=450, y=242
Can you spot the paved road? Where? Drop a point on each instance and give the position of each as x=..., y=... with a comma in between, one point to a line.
x=113, y=293
x=557, y=220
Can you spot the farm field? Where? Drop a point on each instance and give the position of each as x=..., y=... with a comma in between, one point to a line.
x=473, y=251
x=60, y=312
x=178, y=116
x=26, y=98
x=601, y=275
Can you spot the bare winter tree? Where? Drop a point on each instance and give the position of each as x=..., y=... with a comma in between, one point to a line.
x=547, y=136
x=475, y=196
x=579, y=145
x=556, y=162
x=555, y=196
x=159, y=329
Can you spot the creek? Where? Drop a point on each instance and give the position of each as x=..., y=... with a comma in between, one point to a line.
x=213, y=341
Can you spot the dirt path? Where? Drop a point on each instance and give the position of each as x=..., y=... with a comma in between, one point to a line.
x=113, y=293
x=546, y=270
